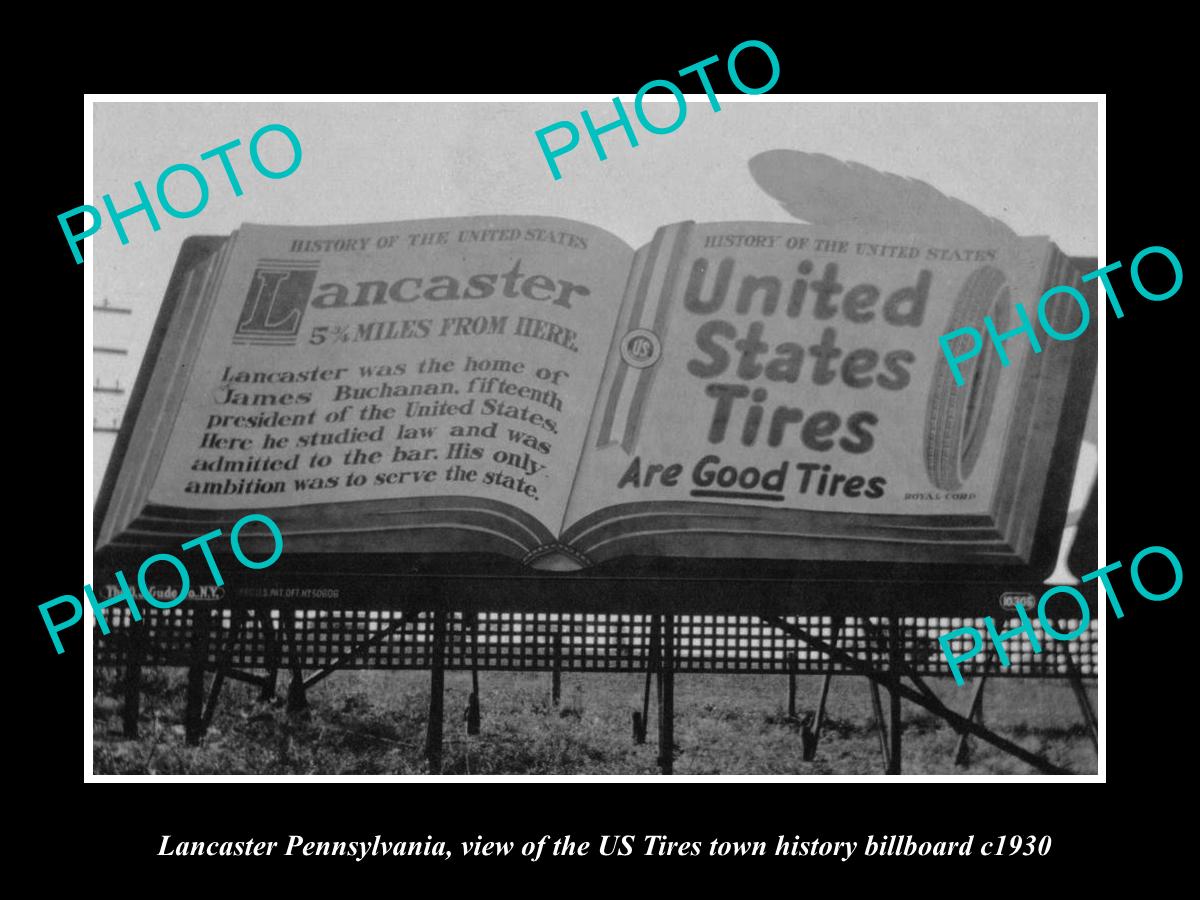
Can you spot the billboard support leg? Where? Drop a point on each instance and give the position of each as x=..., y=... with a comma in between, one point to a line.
x=199, y=712
x=473, y=700
x=271, y=647
x=473, y=717
x=224, y=663
x=133, y=678
x=962, y=753
x=666, y=698
x=876, y=702
x=792, y=664
x=194, y=714
x=556, y=668
x=437, y=684
x=297, y=699
x=895, y=667
x=810, y=736
x=641, y=722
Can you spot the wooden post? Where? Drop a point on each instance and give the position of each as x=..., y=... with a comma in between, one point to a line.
x=473, y=700
x=666, y=698
x=792, y=664
x=876, y=703
x=297, y=697
x=962, y=753
x=437, y=684
x=194, y=714
x=895, y=663
x=877, y=707
x=133, y=677
x=473, y=707
x=556, y=672
x=224, y=662
x=641, y=724
x=271, y=653
x=809, y=737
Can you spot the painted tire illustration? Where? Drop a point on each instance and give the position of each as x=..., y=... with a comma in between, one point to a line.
x=957, y=417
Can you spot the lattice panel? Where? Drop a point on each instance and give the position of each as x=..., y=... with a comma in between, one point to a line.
x=380, y=639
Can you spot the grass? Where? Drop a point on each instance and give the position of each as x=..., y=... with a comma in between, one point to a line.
x=373, y=722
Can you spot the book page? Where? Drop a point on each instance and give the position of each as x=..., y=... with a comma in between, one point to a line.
x=795, y=367
x=448, y=357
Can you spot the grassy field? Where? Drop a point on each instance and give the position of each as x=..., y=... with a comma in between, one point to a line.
x=374, y=723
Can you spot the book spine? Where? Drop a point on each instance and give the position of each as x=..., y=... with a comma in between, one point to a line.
x=642, y=336
x=557, y=547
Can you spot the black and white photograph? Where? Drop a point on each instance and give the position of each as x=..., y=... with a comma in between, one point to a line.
x=684, y=434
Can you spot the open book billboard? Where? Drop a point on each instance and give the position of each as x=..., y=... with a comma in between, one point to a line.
x=509, y=393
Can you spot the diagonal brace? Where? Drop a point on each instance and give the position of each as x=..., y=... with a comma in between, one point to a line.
x=934, y=705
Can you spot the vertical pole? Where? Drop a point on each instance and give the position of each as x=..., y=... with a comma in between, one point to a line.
x=962, y=753
x=400, y=642
x=133, y=677
x=556, y=672
x=224, y=663
x=437, y=684
x=658, y=663
x=473, y=705
x=820, y=717
x=297, y=698
x=473, y=701
x=792, y=664
x=194, y=715
x=271, y=655
x=877, y=705
x=640, y=725
x=666, y=698
x=655, y=669
x=811, y=736
x=895, y=663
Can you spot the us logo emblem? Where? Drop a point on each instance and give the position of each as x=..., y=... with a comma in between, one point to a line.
x=641, y=348
x=275, y=302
